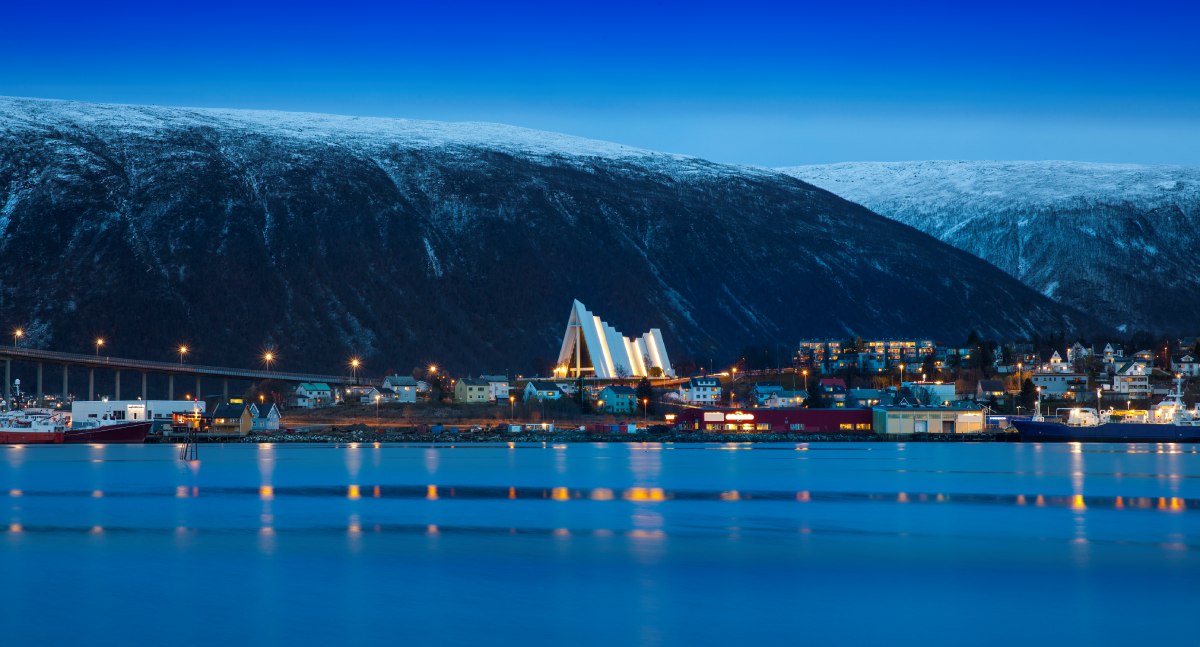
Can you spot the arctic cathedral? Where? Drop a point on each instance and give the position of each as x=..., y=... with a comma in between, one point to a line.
x=592, y=346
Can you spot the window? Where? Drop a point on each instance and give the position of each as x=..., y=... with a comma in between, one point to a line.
x=796, y=426
x=763, y=426
x=863, y=426
x=845, y=426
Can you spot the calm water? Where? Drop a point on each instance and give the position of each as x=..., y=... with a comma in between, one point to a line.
x=600, y=544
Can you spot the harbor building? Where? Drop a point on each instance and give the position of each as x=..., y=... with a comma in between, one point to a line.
x=904, y=420
x=776, y=421
x=159, y=412
x=593, y=346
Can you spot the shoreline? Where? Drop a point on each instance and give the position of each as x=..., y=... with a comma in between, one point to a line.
x=395, y=436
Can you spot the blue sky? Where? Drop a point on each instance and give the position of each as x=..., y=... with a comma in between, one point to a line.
x=750, y=82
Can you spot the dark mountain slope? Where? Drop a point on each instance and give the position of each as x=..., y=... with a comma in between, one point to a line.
x=464, y=244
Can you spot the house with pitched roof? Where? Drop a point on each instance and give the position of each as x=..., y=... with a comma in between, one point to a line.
x=265, y=417
x=310, y=395
x=542, y=391
x=405, y=388
x=701, y=391
x=472, y=390
x=233, y=419
x=498, y=389
x=1186, y=365
x=617, y=398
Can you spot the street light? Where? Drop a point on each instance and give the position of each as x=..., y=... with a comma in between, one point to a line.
x=901, y=374
x=805, y=372
x=354, y=364
x=645, y=409
x=17, y=335
x=433, y=368
x=268, y=357
x=182, y=351
x=99, y=343
x=512, y=407
x=376, y=405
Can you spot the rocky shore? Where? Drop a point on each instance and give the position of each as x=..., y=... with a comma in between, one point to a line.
x=363, y=434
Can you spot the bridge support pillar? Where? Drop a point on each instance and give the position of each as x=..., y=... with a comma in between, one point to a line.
x=91, y=384
x=144, y=377
x=117, y=385
x=7, y=383
x=225, y=389
x=170, y=386
x=66, y=391
x=39, y=384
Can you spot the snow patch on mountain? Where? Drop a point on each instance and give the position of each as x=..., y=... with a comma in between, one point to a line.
x=1116, y=240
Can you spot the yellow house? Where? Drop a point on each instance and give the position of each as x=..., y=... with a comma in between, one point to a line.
x=472, y=391
x=233, y=419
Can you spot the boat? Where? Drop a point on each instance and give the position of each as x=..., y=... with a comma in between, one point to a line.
x=103, y=431
x=32, y=427
x=1169, y=421
x=20, y=426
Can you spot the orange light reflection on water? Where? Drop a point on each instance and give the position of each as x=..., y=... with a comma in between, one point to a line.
x=644, y=494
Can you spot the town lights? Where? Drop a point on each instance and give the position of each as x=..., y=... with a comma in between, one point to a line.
x=433, y=368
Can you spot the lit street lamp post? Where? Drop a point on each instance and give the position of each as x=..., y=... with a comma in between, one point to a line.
x=268, y=357
x=645, y=409
x=17, y=335
x=512, y=407
x=805, y=372
x=376, y=406
x=354, y=364
x=182, y=351
x=99, y=343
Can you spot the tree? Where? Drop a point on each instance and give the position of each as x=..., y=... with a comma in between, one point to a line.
x=645, y=392
x=1028, y=395
x=816, y=400
x=621, y=372
x=929, y=366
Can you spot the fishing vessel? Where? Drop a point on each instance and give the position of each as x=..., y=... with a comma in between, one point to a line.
x=1169, y=421
x=32, y=427
x=105, y=430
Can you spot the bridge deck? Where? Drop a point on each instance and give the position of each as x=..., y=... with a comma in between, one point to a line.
x=121, y=363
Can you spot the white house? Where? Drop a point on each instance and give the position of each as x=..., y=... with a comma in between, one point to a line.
x=782, y=399
x=763, y=392
x=498, y=389
x=542, y=391
x=1132, y=379
x=1185, y=365
x=1059, y=384
x=266, y=417
x=701, y=391
x=310, y=395
x=1078, y=352
x=405, y=387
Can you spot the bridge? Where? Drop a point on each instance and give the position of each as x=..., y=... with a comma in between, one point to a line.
x=145, y=367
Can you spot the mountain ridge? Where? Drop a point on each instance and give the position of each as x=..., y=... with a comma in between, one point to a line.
x=407, y=242
x=1113, y=240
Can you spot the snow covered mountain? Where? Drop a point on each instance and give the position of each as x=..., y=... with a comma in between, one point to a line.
x=1120, y=242
x=407, y=242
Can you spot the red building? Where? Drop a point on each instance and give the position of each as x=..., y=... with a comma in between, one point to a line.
x=776, y=421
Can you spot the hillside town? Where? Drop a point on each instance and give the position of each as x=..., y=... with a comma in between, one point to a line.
x=603, y=381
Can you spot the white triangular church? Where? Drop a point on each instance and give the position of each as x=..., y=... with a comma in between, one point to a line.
x=592, y=346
